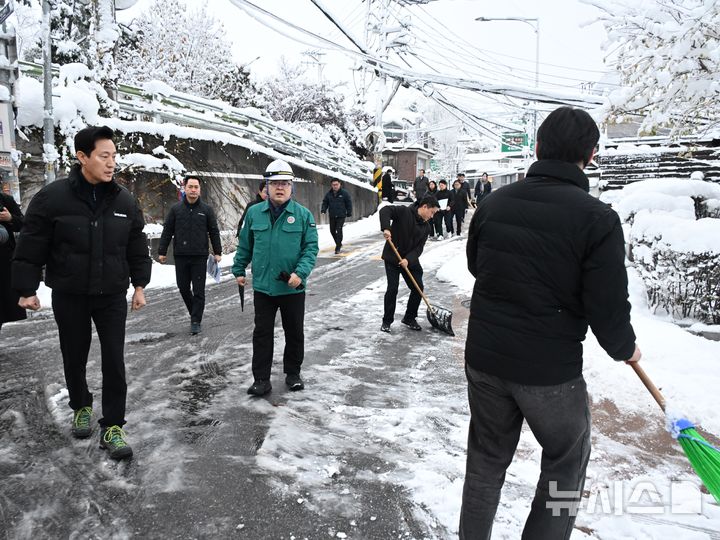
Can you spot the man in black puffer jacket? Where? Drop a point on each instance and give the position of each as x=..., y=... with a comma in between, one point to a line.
x=338, y=204
x=191, y=222
x=88, y=233
x=548, y=259
x=408, y=227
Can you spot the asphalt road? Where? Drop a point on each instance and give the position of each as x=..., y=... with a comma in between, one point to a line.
x=199, y=469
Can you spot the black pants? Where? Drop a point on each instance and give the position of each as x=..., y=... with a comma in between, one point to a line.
x=448, y=217
x=192, y=270
x=336, y=226
x=73, y=314
x=559, y=418
x=437, y=223
x=393, y=272
x=459, y=218
x=292, y=313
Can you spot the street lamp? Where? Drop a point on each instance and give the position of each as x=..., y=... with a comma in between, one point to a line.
x=534, y=23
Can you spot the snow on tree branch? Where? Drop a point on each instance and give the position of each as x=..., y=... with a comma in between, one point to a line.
x=668, y=54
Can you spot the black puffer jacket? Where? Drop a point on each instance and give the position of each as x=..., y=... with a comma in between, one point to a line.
x=338, y=204
x=409, y=233
x=190, y=224
x=88, y=245
x=9, y=309
x=548, y=259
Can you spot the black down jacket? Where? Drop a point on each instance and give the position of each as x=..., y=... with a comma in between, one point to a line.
x=548, y=259
x=337, y=205
x=409, y=233
x=89, y=238
x=190, y=224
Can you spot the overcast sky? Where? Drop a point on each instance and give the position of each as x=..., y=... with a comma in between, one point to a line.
x=447, y=40
x=563, y=39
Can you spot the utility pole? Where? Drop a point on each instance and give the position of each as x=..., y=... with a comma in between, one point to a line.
x=316, y=58
x=8, y=76
x=49, y=150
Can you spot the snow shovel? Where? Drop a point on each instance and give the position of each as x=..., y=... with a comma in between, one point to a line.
x=438, y=317
x=703, y=456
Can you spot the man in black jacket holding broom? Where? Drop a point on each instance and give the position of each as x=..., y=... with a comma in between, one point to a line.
x=549, y=260
x=408, y=227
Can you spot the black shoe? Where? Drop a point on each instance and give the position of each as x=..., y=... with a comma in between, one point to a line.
x=411, y=323
x=337, y=250
x=385, y=328
x=294, y=382
x=195, y=328
x=112, y=439
x=259, y=388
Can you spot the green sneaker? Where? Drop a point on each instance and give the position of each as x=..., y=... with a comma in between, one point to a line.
x=112, y=439
x=81, y=428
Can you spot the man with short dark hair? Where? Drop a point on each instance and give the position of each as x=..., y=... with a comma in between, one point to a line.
x=420, y=186
x=408, y=227
x=483, y=188
x=87, y=231
x=280, y=239
x=464, y=186
x=190, y=223
x=338, y=204
x=458, y=206
x=548, y=260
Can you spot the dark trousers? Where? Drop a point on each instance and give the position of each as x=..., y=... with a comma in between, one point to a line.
x=437, y=223
x=448, y=217
x=393, y=272
x=336, y=226
x=459, y=218
x=192, y=270
x=559, y=418
x=292, y=313
x=73, y=314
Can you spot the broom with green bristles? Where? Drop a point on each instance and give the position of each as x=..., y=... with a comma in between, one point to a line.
x=703, y=456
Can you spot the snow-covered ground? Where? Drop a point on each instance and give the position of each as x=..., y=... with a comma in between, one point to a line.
x=639, y=483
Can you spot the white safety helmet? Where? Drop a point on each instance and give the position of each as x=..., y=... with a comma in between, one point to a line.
x=279, y=170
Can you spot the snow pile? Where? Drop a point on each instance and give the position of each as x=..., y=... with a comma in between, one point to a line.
x=674, y=233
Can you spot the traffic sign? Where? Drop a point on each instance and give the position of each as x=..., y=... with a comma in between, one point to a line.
x=513, y=141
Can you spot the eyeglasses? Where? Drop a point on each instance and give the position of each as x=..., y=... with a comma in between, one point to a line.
x=280, y=183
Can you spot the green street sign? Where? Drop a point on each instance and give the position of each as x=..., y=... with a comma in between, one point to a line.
x=513, y=141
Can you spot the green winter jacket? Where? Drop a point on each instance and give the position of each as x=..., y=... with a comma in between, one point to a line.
x=290, y=245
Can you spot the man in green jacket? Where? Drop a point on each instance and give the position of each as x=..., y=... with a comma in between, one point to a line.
x=280, y=239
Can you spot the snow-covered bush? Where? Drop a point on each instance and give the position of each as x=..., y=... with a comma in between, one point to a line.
x=675, y=243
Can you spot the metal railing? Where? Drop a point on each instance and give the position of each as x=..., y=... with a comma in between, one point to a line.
x=188, y=110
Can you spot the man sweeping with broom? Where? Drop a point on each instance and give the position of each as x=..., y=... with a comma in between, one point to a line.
x=549, y=260
x=407, y=227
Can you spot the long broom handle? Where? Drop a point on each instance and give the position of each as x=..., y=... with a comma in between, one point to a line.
x=407, y=271
x=649, y=384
